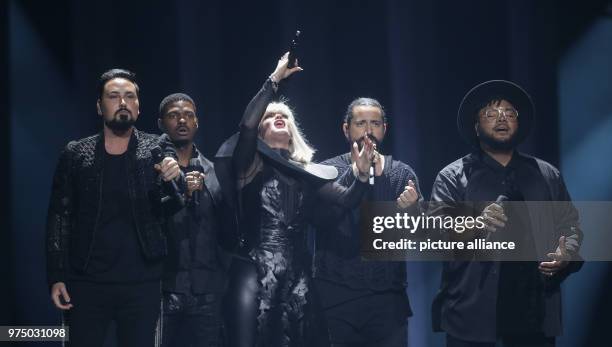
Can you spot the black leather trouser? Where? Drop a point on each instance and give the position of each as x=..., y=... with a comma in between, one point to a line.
x=275, y=309
x=241, y=304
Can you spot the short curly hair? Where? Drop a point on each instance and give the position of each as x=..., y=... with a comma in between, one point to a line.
x=172, y=98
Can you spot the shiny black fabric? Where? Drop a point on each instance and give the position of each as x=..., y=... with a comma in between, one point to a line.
x=195, y=270
x=466, y=305
x=281, y=299
x=282, y=264
x=270, y=301
x=196, y=262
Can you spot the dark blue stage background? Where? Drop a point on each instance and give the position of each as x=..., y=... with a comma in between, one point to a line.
x=417, y=57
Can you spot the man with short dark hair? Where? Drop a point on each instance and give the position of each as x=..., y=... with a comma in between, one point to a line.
x=365, y=303
x=195, y=275
x=519, y=303
x=105, y=242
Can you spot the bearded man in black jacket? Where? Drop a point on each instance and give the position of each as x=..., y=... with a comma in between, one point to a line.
x=517, y=303
x=105, y=241
x=365, y=302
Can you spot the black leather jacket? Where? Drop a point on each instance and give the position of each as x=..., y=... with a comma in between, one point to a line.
x=74, y=207
x=196, y=262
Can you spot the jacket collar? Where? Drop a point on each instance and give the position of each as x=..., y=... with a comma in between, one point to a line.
x=206, y=164
x=482, y=157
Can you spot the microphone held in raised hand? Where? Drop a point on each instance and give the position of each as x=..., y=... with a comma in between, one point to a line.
x=195, y=165
x=292, y=50
x=157, y=157
x=501, y=199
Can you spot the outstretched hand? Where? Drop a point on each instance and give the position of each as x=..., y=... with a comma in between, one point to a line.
x=282, y=71
x=363, y=158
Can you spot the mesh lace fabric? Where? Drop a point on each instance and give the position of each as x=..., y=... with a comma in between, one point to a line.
x=283, y=264
x=272, y=281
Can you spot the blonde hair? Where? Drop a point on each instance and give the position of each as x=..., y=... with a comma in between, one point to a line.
x=300, y=149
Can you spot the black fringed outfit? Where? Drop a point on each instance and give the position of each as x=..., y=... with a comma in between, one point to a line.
x=270, y=301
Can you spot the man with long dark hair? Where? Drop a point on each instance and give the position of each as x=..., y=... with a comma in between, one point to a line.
x=365, y=302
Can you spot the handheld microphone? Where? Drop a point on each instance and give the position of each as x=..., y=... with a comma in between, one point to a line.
x=292, y=49
x=156, y=154
x=195, y=165
x=501, y=199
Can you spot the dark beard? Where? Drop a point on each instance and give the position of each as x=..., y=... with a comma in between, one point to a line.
x=372, y=138
x=119, y=124
x=496, y=145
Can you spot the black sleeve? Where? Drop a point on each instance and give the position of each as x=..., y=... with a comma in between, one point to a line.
x=346, y=177
x=567, y=224
x=418, y=206
x=169, y=203
x=346, y=197
x=244, y=153
x=59, y=219
x=444, y=195
x=445, y=201
x=567, y=219
x=326, y=213
x=167, y=146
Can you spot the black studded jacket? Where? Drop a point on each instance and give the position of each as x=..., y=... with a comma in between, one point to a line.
x=74, y=207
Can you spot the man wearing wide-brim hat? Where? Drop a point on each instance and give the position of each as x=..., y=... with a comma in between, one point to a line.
x=518, y=303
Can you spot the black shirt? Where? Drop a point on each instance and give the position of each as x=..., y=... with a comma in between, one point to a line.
x=116, y=255
x=196, y=263
x=337, y=258
x=466, y=305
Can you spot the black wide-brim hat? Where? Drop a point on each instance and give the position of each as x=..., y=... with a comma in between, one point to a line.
x=490, y=90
